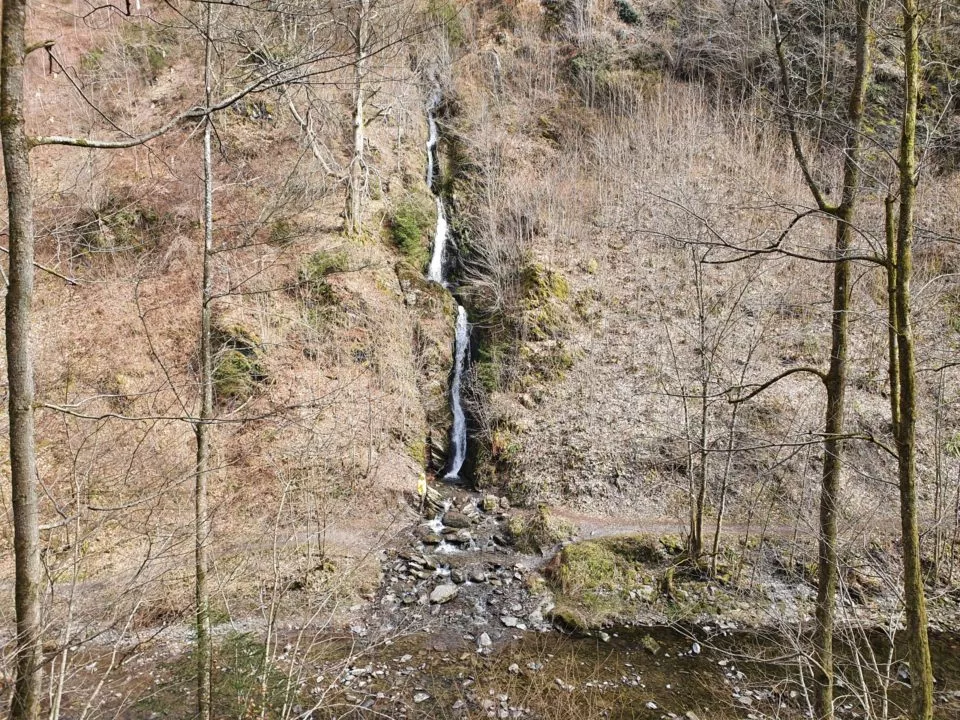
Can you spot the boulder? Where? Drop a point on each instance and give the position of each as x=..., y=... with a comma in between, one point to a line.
x=456, y=519
x=443, y=593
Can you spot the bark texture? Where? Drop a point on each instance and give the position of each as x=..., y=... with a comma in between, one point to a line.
x=25, y=704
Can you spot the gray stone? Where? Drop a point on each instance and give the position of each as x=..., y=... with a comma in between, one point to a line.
x=458, y=576
x=484, y=640
x=455, y=519
x=443, y=593
x=420, y=697
x=509, y=621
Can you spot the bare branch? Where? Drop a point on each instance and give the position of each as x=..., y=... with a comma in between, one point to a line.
x=787, y=373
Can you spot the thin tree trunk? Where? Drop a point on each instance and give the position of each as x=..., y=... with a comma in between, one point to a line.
x=355, y=181
x=698, y=501
x=890, y=230
x=721, y=509
x=202, y=428
x=25, y=704
x=921, y=670
x=836, y=377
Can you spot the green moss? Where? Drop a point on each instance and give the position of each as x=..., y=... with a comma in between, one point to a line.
x=545, y=293
x=417, y=449
x=541, y=283
x=539, y=532
x=607, y=578
x=673, y=544
x=238, y=367
x=312, y=276
x=411, y=224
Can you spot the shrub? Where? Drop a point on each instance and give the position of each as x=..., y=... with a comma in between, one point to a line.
x=626, y=12
x=312, y=277
x=238, y=368
x=282, y=232
x=413, y=221
x=446, y=14
x=119, y=225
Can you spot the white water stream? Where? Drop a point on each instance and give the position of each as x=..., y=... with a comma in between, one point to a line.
x=435, y=273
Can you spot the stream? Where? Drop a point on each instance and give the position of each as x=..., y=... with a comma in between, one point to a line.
x=437, y=272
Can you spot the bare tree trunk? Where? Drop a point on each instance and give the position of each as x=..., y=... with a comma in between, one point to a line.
x=721, y=509
x=698, y=501
x=890, y=230
x=25, y=704
x=835, y=380
x=202, y=428
x=921, y=670
x=355, y=182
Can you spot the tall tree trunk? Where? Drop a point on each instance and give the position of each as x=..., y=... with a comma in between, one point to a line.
x=202, y=428
x=890, y=231
x=921, y=670
x=23, y=463
x=355, y=181
x=836, y=377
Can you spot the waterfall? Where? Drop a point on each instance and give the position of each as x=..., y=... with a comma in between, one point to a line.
x=431, y=145
x=458, y=431
x=435, y=270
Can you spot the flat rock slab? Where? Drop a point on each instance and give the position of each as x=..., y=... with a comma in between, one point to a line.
x=443, y=593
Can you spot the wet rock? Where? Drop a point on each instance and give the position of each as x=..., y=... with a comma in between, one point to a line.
x=458, y=537
x=443, y=593
x=650, y=645
x=455, y=519
x=431, y=538
x=458, y=577
x=478, y=576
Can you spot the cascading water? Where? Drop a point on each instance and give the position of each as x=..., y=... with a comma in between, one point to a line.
x=435, y=273
x=435, y=270
x=458, y=433
x=431, y=139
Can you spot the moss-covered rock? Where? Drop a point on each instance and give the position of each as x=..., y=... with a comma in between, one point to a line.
x=238, y=368
x=411, y=225
x=539, y=531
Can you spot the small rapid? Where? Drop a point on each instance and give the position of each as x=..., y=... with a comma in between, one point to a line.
x=436, y=273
